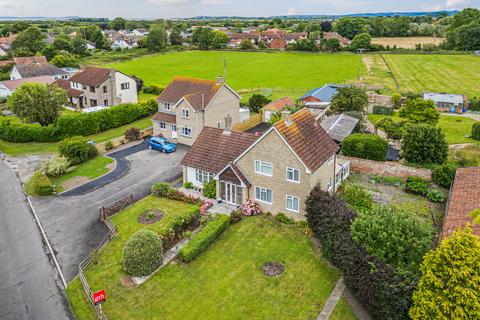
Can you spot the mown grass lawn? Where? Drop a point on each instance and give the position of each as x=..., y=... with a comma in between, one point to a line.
x=91, y=169
x=457, y=129
x=18, y=149
x=342, y=311
x=438, y=73
x=246, y=70
x=225, y=282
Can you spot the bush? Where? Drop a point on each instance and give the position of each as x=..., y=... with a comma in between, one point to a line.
x=257, y=101
x=444, y=174
x=424, y=144
x=282, y=218
x=365, y=146
x=204, y=238
x=389, y=181
x=417, y=186
x=132, y=134
x=142, y=253
x=210, y=189
x=435, y=195
x=76, y=150
x=236, y=216
x=108, y=145
x=476, y=131
x=251, y=208
x=188, y=185
x=161, y=189
x=152, y=90
x=39, y=185
x=56, y=166
x=387, y=111
x=357, y=197
x=174, y=229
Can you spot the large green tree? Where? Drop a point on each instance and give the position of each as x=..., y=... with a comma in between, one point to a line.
x=450, y=284
x=36, y=102
x=29, y=41
x=176, y=36
x=424, y=144
x=219, y=40
x=62, y=42
x=350, y=27
x=361, y=41
x=202, y=37
x=350, y=98
x=157, y=38
x=65, y=59
x=118, y=24
x=420, y=111
x=79, y=45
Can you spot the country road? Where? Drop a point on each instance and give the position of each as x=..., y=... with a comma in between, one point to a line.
x=28, y=287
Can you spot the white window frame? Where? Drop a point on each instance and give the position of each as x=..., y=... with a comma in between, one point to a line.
x=184, y=130
x=185, y=113
x=162, y=125
x=292, y=198
x=265, y=192
x=125, y=86
x=330, y=184
x=202, y=176
x=166, y=106
x=261, y=164
x=292, y=171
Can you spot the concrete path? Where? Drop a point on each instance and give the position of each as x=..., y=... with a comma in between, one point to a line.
x=29, y=286
x=332, y=300
x=356, y=307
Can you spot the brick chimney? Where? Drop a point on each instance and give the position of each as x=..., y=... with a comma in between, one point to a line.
x=220, y=80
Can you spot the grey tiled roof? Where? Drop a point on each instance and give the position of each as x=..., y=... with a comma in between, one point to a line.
x=339, y=127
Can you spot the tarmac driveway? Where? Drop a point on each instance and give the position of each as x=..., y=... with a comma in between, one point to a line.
x=72, y=221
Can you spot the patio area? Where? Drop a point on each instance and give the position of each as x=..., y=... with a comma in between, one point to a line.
x=217, y=208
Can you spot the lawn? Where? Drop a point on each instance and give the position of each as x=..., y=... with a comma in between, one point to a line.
x=407, y=42
x=225, y=282
x=247, y=70
x=437, y=73
x=91, y=169
x=342, y=311
x=456, y=128
x=18, y=149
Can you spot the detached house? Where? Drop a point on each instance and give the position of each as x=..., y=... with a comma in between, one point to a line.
x=278, y=169
x=188, y=105
x=35, y=66
x=100, y=87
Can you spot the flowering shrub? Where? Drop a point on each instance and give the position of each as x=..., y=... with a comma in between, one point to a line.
x=205, y=206
x=251, y=208
x=56, y=166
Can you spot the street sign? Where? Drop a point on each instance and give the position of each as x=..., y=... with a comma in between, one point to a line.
x=99, y=297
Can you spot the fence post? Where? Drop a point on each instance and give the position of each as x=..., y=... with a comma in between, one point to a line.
x=102, y=215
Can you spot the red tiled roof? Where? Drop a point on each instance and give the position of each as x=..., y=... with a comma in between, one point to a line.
x=194, y=91
x=13, y=84
x=279, y=105
x=277, y=43
x=65, y=84
x=5, y=63
x=213, y=150
x=329, y=35
x=165, y=117
x=8, y=40
x=241, y=36
x=92, y=76
x=464, y=198
x=37, y=60
x=308, y=139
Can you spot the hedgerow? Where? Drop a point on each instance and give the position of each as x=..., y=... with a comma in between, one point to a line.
x=365, y=146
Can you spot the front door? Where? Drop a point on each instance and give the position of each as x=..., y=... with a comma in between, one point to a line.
x=174, y=131
x=230, y=193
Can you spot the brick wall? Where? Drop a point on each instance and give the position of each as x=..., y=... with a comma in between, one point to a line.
x=386, y=168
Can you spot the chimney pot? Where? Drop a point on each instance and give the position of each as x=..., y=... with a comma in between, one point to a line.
x=286, y=116
x=220, y=80
x=228, y=125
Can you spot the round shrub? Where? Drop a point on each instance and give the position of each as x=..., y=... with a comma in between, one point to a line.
x=56, y=166
x=39, y=185
x=416, y=185
x=476, y=131
x=132, y=134
x=435, y=195
x=251, y=208
x=365, y=146
x=160, y=189
x=76, y=149
x=210, y=189
x=424, y=144
x=143, y=253
x=443, y=175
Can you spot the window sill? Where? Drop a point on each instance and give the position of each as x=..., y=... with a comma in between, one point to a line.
x=261, y=201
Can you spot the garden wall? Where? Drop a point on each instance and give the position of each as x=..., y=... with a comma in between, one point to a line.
x=386, y=168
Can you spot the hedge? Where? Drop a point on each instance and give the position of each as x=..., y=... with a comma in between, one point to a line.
x=39, y=185
x=173, y=230
x=204, y=239
x=387, y=111
x=365, y=146
x=80, y=124
x=476, y=131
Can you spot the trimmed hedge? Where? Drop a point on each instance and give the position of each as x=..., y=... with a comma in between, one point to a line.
x=79, y=124
x=204, y=239
x=476, y=131
x=387, y=111
x=365, y=146
x=174, y=229
x=143, y=253
x=39, y=185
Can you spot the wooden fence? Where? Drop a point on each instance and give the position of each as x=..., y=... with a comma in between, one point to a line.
x=251, y=122
x=101, y=147
x=105, y=213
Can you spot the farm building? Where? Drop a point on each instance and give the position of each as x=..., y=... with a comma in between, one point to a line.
x=319, y=97
x=454, y=103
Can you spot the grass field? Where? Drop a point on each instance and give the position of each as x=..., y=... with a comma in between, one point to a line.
x=225, y=282
x=246, y=70
x=407, y=42
x=456, y=128
x=437, y=73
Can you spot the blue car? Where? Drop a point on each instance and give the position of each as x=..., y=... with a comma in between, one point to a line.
x=161, y=144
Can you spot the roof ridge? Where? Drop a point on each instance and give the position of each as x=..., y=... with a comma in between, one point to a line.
x=192, y=79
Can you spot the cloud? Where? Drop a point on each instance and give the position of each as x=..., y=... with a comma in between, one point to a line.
x=455, y=4
x=10, y=7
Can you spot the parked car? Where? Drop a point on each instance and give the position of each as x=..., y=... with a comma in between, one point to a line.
x=161, y=144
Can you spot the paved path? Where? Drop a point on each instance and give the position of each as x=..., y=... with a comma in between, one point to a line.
x=28, y=283
x=332, y=300
x=71, y=222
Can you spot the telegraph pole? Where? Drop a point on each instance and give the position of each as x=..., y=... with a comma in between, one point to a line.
x=225, y=70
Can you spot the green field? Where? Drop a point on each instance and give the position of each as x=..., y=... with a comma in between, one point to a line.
x=247, y=70
x=438, y=73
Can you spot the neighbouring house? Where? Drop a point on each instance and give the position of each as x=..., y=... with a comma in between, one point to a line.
x=187, y=105
x=444, y=102
x=463, y=199
x=269, y=35
x=7, y=87
x=275, y=107
x=339, y=126
x=75, y=96
x=277, y=43
x=344, y=42
x=35, y=66
x=278, y=170
x=291, y=38
x=123, y=43
x=6, y=44
x=140, y=32
x=319, y=98
x=3, y=50
x=100, y=87
x=237, y=38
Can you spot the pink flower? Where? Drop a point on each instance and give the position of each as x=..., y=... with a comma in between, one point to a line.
x=251, y=208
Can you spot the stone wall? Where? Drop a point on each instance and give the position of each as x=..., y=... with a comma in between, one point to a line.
x=386, y=168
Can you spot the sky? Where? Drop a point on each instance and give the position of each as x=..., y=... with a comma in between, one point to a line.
x=190, y=8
